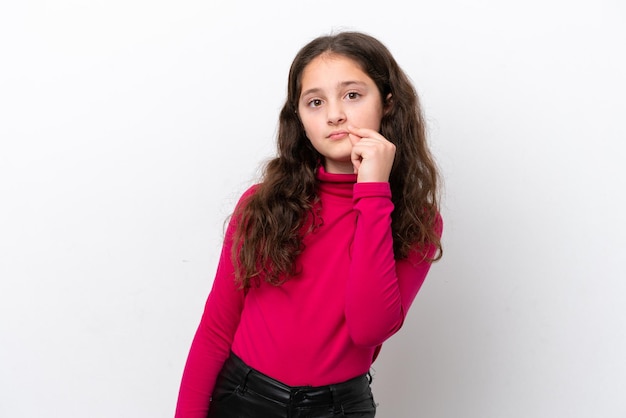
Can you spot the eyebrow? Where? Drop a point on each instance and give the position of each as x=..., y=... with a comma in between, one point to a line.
x=343, y=84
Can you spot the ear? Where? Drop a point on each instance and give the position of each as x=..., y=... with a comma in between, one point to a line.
x=388, y=104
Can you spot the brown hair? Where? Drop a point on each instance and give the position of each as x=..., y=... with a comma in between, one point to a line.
x=272, y=221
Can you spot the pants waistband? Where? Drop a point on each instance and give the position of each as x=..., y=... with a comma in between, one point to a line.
x=302, y=395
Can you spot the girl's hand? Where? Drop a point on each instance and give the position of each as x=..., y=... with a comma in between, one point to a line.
x=372, y=155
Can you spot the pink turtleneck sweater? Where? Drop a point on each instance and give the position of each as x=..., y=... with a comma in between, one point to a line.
x=323, y=326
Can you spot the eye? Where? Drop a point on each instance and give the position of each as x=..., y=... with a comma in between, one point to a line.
x=314, y=103
x=353, y=95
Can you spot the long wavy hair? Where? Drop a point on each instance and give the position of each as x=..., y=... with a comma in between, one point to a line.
x=272, y=221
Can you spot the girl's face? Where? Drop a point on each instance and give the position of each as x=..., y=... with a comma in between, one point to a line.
x=336, y=94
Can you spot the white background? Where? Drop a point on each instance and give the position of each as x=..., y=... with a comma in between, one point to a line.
x=129, y=128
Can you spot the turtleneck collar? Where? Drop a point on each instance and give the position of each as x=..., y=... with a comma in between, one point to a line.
x=335, y=184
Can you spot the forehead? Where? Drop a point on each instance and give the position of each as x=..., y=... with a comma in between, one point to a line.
x=331, y=67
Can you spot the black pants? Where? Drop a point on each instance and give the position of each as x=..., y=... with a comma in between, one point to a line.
x=242, y=392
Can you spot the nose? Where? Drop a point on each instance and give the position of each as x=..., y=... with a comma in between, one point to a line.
x=336, y=114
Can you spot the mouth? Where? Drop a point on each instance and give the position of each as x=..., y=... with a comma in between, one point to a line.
x=338, y=135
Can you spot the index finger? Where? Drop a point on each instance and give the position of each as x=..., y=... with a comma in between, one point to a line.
x=364, y=132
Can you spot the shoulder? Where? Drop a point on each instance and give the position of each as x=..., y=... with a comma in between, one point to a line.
x=250, y=191
x=247, y=194
x=240, y=206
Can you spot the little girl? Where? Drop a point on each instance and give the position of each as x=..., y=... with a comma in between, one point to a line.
x=322, y=259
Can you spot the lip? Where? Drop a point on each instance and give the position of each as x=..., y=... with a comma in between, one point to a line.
x=335, y=135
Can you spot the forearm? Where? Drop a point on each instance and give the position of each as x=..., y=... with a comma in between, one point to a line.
x=380, y=289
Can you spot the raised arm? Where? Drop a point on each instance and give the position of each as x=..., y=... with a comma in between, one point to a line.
x=380, y=289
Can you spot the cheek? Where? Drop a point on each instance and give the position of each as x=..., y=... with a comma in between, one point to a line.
x=375, y=119
x=305, y=129
x=308, y=126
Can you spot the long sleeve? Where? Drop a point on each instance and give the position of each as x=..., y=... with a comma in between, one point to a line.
x=380, y=289
x=325, y=324
x=213, y=339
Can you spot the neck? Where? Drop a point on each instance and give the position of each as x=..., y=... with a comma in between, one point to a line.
x=339, y=167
